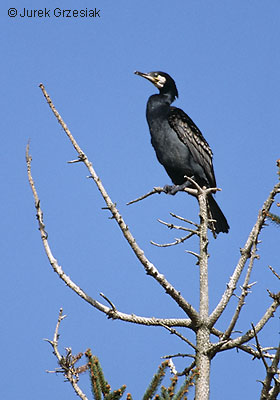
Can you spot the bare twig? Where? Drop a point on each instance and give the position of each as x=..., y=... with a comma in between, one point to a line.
x=109, y=301
x=67, y=364
x=221, y=346
x=192, y=232
x=274, y=272
x=178, y=355
x=54, y=342
x=187, y=370
x=259, y=347
x=181, y=228
x=155, y=190
x=193, y=254
x=159, y=190
x=269, y=313
x=185, y=220
x=245, y=291
x=173, y=331
x=269, y=392
x=177, y=241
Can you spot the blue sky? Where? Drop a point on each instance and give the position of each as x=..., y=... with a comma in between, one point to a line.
x=224, y=57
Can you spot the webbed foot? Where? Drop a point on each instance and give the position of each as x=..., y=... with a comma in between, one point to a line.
x=173, y=189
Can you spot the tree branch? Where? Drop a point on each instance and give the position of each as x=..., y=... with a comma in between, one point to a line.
x=245, y=255
x=269, y=392
x=191, y=233
x=173, y=331
x=149, y=267
x=185, y=220
x=251, y=332
x=245, y=291
x=274, y=272
x=176, y=241
x=259, y=347
x=155, y=190
x=67, y=364
x=159, y=190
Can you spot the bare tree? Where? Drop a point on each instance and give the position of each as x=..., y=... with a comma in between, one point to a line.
x=199, y=321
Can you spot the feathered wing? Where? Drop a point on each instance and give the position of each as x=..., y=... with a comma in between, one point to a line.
x=191, y=136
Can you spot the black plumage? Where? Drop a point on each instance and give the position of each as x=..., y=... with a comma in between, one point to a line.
x=179, y=145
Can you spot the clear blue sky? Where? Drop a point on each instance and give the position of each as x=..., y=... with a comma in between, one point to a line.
x=224, y=56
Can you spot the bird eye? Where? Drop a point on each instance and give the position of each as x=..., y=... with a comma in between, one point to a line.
x=155, y=74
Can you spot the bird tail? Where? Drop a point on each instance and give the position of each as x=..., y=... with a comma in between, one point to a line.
x=221, y=224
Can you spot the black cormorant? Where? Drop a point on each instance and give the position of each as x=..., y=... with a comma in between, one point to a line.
x=179, y=145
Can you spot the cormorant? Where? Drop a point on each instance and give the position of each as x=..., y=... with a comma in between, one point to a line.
x=179, y=145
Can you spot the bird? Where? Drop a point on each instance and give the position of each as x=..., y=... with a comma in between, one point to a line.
x=179, y=145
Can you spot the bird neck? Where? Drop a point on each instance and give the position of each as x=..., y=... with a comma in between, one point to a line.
x=159, y=103
x=168, y=97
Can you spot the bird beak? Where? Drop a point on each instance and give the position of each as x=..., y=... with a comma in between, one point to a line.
x=146, y=76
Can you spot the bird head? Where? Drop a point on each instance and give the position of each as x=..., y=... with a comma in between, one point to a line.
x=161, y=80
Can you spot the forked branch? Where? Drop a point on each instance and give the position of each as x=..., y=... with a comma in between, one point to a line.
x=246, y=253
x=149, y=267
x=67, y=363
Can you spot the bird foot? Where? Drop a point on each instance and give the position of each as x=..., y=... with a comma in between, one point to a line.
x=173, y=189
x=170, y=189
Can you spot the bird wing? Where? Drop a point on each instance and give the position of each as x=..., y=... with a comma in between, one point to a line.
x=191, y=136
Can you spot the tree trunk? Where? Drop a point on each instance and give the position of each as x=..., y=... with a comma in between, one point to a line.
x=203, y=364
x=203, y=333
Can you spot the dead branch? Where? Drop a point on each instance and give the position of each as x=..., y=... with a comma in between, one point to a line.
x=192, y=232
x=67, y=364
x=159, y=190
x=185, y=220
x=174, y=332
x=268, y=391
x=269, y=313
x=177, y=241
x=149, y=267
x=155, y=190
x=274, y=272
x=272, y=373
x=245, y=291
x=260, y=350
x=181, y=228
x=178, y=355
x=111, y=313
x=245, y=255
